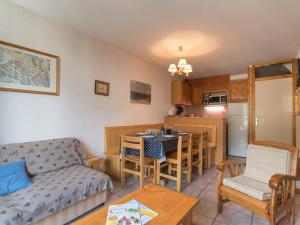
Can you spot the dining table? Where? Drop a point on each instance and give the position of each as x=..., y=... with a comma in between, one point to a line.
x=157, y=146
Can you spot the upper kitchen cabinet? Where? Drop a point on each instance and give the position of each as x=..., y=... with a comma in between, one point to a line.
x=196, y=96
x=238, y=90
x=181, y=93
x=207, y=84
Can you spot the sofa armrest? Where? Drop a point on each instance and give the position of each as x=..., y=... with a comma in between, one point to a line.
x=276, y=182
x=95, y=162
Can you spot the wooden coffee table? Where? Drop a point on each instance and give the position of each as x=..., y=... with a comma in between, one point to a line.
x=173, y=207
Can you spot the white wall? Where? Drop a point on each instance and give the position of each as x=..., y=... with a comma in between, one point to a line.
x=77, y=111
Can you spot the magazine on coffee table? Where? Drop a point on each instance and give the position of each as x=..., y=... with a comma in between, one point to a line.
x=130, y=213
x=146, y=213
x=125, y=214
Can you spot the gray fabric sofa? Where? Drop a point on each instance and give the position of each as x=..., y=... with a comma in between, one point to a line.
x=59, y=177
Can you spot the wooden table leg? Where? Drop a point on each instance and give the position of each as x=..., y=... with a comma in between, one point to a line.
x=157, y=172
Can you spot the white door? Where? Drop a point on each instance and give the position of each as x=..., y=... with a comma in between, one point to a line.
x=273, y=110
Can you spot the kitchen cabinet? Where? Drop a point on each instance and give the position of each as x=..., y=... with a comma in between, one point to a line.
x=209, y=84
x=238, y=90
x=180, y=93
x=196, y=96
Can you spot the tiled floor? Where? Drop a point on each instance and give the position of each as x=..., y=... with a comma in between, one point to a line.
x=205, y=213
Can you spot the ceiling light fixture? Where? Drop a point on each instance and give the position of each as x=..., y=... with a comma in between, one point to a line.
x=183, y=68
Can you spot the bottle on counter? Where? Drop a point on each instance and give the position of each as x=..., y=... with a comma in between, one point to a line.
x=162, y=130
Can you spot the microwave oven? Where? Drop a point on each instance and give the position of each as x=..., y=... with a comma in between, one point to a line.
x=215, y=98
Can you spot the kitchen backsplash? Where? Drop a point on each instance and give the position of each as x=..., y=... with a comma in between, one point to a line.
x=207, y=112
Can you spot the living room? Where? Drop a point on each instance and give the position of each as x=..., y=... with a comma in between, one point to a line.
x=112, y=75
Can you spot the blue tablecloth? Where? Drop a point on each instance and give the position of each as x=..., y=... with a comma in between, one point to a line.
x=157, y=147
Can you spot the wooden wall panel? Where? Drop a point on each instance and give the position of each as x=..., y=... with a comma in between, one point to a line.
x=216, y=128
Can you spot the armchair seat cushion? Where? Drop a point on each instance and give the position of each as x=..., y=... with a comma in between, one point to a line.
x=249, y=186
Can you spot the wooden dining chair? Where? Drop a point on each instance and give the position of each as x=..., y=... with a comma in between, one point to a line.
x=211, y=148
x=197, y=152
x=139, y=162
x=178, y=162
x=205, y=149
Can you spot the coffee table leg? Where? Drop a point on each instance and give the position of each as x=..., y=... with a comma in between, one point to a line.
x=188, y=218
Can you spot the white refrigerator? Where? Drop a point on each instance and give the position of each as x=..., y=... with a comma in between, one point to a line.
x=237, y=129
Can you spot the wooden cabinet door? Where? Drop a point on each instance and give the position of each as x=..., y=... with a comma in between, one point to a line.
x=180, y=93
x=187, y=94
x=176, y=92
x=238, y=90
x=196, y=96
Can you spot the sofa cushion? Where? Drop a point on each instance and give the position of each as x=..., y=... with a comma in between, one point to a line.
x=249, y=186
x=13, y=177
x=44, y=156
x=51, y=192
x=263, y=162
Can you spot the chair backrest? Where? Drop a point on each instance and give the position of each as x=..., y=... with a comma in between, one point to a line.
x=210, y=129
x=184, y=143
x=265, y=158
x=205, y=139
x=135, y=143
x=197, y=141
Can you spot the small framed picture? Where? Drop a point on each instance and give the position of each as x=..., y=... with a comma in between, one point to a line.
x=101, y=88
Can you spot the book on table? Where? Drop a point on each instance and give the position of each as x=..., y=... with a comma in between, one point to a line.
x=130, y=213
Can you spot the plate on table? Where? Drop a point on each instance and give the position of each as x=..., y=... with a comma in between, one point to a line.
x=168, y=136
x=147, y=136
x=142, y=133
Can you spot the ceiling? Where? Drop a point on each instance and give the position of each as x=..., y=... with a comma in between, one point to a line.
x=218, y=36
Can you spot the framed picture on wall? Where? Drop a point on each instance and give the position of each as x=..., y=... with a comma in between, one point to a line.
x=101, y=88
x=27, y=70
x=140, y=92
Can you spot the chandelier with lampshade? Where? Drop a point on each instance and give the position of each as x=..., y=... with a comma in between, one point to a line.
x=182, y=68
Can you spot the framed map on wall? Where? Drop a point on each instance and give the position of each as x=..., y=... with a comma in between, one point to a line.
x=27, y=70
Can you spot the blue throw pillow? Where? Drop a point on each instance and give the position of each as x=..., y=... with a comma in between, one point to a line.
x=13, y=177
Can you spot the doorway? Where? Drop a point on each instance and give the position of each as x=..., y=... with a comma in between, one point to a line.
x=272, y=88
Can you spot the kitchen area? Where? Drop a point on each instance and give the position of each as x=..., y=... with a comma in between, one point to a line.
x=219, y=101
